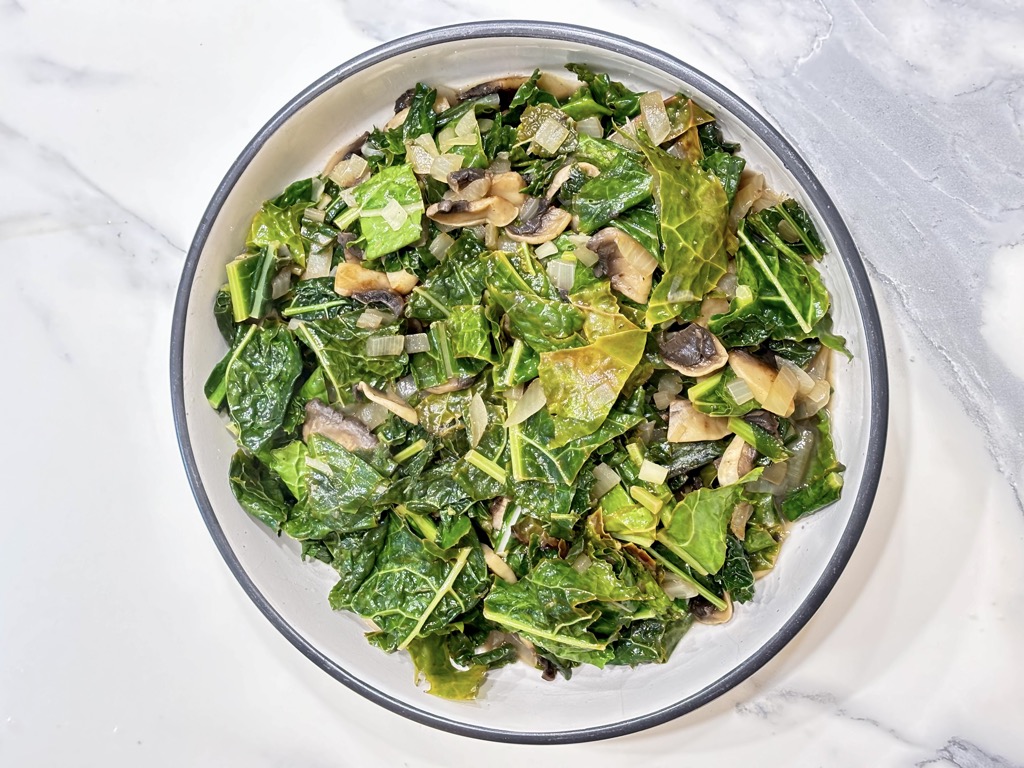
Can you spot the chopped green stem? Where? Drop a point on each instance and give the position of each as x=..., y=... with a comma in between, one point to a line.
x=646, y=498
x=410, y=450
x=703, y=591
x=347, y=218
x=486, y=466
x=292, y=311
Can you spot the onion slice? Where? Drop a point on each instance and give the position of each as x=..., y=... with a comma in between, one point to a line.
x=532, y=401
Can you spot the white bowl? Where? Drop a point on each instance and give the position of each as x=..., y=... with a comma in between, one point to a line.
x=516, y=705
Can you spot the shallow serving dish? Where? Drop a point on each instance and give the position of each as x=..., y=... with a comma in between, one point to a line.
x=516, y=705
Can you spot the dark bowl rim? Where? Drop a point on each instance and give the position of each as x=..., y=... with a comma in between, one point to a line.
x=847, y=251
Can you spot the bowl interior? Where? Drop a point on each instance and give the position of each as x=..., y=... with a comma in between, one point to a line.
x=515, y=700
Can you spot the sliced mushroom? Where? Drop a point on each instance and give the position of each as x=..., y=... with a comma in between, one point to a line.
x=353, y=255
x=469, y=184
x=465, y=213
x=629, y=265
x=389, y=299
x=693, y=351
x=736, y=462
x=509, y=187
x=351, y=279
x=543, y=227
x=704, y=612
x=769, y=422
x=393, y=403
x=688, y=425
x=738, y=520
x=452, y=385
x=350, y=433
x=498, y=507
x=404, y=101
x=565, y=172
x=500, y=85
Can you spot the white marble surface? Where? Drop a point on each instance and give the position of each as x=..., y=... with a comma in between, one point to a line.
x=123, y=638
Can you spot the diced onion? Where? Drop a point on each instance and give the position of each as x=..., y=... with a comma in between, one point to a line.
x=348, y=172
x=372, y=318
x=385, y=346
x=514, y=393
x=579, y=241
x=314, y=215
x=663, y=399
x=439, y=245
x=445, y=164
x=781, y=394
x=491, y=236
x=417, y=342
x=739, y=390
x=655, y=116
x=738, y=521
x=673, y=586
x=485, y=125
x=467, y=124
x=447, y=138
x=477, y=419
x=804, y=382
x=653, y=473
x=562, y=274
x=318, y=264
x=808, y=405
x=532, y=401
x=426, y=141
x=349, y=197
x=546, y=249
x=591, y=126
x=406, y=386
x=671, y=383
x=419, y=158
x=585, y=256
x=605, y=478
x=281, y=283
x=727, y=284
x=371, y=414
x=803, y=450
x=394, y=214
x=551, y=135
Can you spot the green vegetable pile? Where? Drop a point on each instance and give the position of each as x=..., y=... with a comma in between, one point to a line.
x=540, y=370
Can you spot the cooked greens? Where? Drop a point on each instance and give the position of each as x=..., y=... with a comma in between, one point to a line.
x=539, y=377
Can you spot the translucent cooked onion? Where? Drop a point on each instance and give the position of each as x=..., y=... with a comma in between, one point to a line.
x=562, y=274
x=591, y=126
x=581, y=563
x=533, y=400
x=671, y=383
x=372, y=318
x=739, y=390
x=281, y=283
x=782, y=393
x=348, y=172
x=655, y=116
x=419, y=158
x=498, y=566
x=605, y=478
x=546, y=249
x=500, y=163
x=812, y=402
x=673, y=586
x=417, y=342
x=372, y=415
x=663, y=399
x=477, y=419
x=551, y=135
x=445, y=164
x=439, y=245
x=385, y=346
x=585, y=256
x=394, y=214
x=653, y=473
x=318, y=264
x=804, y=380
x=467, y=124
x=406, y=386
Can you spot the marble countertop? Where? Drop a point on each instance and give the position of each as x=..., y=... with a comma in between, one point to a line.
x=124, y=640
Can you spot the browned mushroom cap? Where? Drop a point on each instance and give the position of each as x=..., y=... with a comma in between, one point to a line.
x=546, y=225
x=565, y=172
x=348, y=432
x=693, y=351
x=501, y=85
x=629, y=265
x=351, y=279
x=470, y=213
x=509, y=187
x=393, y=301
